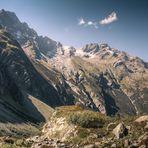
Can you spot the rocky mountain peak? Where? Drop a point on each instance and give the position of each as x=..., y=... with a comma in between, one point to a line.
x=10, y=15
x=43, y=46
x=94, y=48
x=91, y=48
x=70, y=51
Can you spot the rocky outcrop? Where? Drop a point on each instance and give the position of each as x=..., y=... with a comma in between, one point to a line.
x=91, y=48
x=60, y=129
x=120, y=131
x=24, y=34
x=142, y=119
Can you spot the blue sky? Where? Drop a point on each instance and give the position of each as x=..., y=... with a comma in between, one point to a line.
x=78, y=22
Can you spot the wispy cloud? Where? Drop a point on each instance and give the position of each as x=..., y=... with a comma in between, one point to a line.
x=95, y=24
x=90, y=23
x=109, y=19
x=81, y=22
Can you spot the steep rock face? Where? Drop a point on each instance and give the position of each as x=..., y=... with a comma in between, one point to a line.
x=11, y=23
x=91, y=48
x=19, y=80
x=33, y=45
x=126, y=74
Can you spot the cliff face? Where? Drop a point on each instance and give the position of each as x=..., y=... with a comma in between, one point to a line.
x=126, y=77
x=20, y=81
x=34, y=45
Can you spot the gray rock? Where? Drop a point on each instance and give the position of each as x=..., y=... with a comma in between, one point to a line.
x=120, y=131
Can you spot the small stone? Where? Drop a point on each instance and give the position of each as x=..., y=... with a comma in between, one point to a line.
x=47, y=142
x=61, y=144
x=126, y=143
x=58, y=141
x=143, y=146
x=128, y=127
x=46, y=139
x=9, y=140
x=39, y=144
x=114, y=145
x=89, y=146
x=146, y=126
x=134, y=145
x=97, y=143
x=93, y=136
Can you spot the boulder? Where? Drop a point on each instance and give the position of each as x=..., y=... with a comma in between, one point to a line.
x=113, y=145
x=120, y=131
x=142, y=119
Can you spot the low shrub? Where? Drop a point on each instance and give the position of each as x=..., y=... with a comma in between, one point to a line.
x=18, y=130
x=87, y=119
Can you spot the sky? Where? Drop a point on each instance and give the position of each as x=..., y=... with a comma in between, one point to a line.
x=123, y=24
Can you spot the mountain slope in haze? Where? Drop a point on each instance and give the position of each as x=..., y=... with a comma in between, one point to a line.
x=98, y=76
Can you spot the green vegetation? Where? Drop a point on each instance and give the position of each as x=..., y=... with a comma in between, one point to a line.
x=65, y=111
x=82, y=116
x=18, y=130
x=78, y=126
x=87, y=119
x=8, y=43
x=89, y=125
x=14, y=135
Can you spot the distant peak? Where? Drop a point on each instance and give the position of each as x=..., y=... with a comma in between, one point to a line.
x=11, y=15
x=104, y=45
x=2, y=11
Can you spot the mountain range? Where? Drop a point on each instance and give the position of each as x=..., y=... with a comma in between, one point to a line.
x=38, y=74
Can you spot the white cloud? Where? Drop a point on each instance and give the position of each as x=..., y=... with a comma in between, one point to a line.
x=109, y=19
x=81, y=22
x=90, y=23
x=93, y=24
